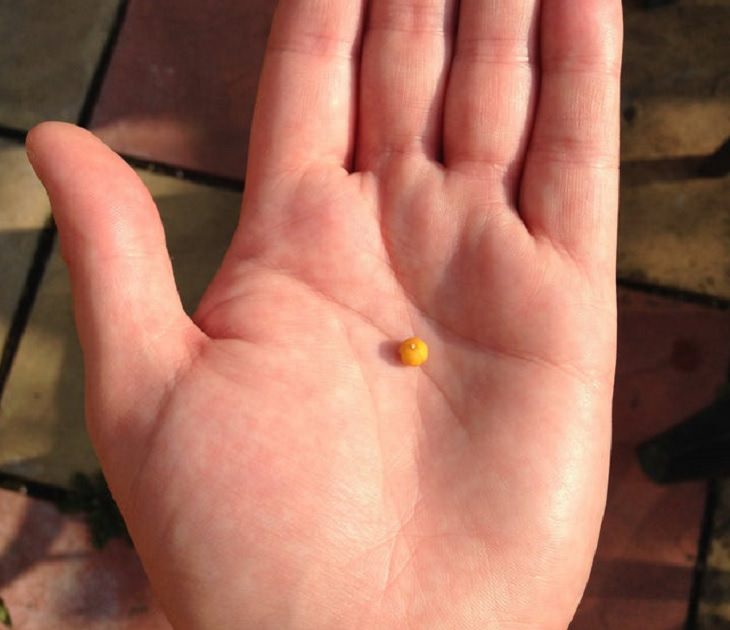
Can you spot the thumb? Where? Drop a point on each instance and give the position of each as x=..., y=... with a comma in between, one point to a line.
x=134, y=333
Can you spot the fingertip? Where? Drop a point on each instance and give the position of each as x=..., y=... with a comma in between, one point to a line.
x=51, y=144
x=586, y=34
x=45, y=133
x=39, y=131
x=70, y=160
x=54, y=128
x=34, y=143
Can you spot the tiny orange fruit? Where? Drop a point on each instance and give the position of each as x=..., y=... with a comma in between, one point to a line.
x=413, y=351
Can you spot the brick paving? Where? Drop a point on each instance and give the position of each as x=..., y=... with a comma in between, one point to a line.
x=193, y=67
x=48, y=56
x=52, y=578
x=42, y=433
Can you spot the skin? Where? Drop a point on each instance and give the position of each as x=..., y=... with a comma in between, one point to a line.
x=432, y=170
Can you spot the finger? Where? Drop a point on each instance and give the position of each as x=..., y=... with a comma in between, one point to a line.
x=490, y=98
x=405, y=55
x=305, y=106
x=569, y=190
x=131, y=324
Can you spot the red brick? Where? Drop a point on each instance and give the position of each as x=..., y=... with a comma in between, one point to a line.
x=672, y=358
x=51, y=576
x=182, y=81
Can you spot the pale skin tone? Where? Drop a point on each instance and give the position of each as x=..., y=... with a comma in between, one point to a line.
x=415, y=168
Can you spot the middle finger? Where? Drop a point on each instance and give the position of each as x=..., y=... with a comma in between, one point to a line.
x=405, y=58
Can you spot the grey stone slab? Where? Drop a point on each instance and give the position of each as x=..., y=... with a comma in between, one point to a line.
x=675, y=83
x=42, y=434
x=48, y=53
x=665, y=128
x=678, y=50
x=677, y=234
x=24, y=210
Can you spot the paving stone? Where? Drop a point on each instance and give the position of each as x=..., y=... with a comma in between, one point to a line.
x=660, y=128
x=194, y=67
x=23, y=212
x=714, y=609
x=52, y=577
x=677, y=234
x=675, y=82
x=672, y=359
x=42, y=435
x=674, y=229
x=48, y=56
x=678, y=50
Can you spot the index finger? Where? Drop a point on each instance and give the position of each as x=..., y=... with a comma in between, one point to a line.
x=305, y=106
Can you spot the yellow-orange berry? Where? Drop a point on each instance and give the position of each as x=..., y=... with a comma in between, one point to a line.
x=413, y=351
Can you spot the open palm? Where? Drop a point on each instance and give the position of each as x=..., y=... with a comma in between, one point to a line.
x=415, y=169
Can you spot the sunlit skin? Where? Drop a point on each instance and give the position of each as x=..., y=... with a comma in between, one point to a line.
x=450, y=171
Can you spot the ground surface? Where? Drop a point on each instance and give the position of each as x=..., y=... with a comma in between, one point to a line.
x=172, y=83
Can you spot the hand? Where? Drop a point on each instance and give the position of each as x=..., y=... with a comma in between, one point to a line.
x=276, y=465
